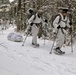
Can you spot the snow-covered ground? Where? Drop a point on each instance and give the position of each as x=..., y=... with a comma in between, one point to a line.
x=16, y=59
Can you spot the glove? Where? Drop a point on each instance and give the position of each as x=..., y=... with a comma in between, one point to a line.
x=70, y=23
x=58, y=27
x=31, y=24
x=66, y=28
x=46, y=20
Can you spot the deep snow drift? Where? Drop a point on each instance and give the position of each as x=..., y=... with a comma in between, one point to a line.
x=16, y=59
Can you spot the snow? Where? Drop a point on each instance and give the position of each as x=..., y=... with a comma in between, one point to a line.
x=16, y=59
x=11, y=0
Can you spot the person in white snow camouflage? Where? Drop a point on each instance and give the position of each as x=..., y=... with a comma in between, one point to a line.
x=61, y=29
x=3, y=23
x=35, y=21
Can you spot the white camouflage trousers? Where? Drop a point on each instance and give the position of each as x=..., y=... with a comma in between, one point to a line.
x=60, y=38
x=35, y=31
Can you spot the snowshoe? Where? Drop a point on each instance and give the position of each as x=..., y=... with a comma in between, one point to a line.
x=58, y=51
x=36, y=45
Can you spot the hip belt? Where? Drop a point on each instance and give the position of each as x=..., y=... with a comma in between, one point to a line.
x=64, y=27
x=37, y=24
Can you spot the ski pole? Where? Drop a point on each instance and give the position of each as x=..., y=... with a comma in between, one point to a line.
x=25, y=39
x=44, y=35
x=71, y=44
x=28, y=27
x=70, y=18
x=71, y=41
x=45, y=32
x=53, y=43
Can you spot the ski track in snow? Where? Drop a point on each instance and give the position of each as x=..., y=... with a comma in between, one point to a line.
x=26, y=60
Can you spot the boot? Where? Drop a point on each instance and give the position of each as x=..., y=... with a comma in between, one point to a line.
x=36, y=45
x=58, y=51
x=33, y=43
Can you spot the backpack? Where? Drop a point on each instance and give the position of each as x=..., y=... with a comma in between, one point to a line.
x=53, y=18
x=30, y=15
x=30, y=28
x=34, y=17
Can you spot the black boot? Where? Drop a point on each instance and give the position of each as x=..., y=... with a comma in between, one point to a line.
x=35, y=45
x=58, y=51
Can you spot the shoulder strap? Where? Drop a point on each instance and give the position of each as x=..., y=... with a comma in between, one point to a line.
x=59, y=18
x=34, y=17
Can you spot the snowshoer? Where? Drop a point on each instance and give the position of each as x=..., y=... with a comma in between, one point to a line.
x=62, y=29
x=35, y=23
x=3, y=22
